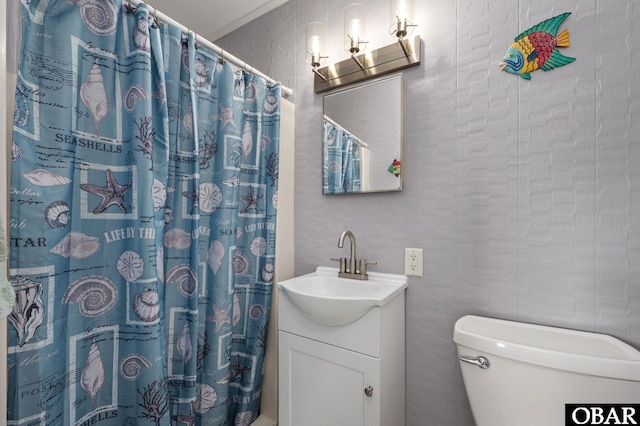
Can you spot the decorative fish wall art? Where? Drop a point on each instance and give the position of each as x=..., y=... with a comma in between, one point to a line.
x=537, y=48
x=395, y=168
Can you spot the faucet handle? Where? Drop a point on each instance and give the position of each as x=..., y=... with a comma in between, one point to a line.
x=343, y=263
x=362, y=266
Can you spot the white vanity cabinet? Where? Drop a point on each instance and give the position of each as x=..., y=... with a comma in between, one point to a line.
x=345, y=375
x=326, y=384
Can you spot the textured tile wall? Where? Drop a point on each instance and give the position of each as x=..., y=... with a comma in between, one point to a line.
x=525, y=195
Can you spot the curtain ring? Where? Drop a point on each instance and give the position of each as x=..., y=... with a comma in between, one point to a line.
x=221, y=60
x=195, y=37
x=129, y=8
x=154, y=15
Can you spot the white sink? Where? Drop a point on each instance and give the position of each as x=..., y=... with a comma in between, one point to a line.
x=326, y=299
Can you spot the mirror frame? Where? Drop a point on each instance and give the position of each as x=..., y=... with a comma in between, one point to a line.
x=401, y=135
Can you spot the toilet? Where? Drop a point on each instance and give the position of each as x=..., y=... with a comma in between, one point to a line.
x=518, y=374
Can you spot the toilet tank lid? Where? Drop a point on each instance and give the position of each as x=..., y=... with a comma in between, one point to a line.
x=554, y=347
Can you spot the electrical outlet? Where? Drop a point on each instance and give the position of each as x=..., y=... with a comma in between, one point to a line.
x=413, y=262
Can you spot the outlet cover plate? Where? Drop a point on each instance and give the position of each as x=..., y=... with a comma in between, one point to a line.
x=413, y=262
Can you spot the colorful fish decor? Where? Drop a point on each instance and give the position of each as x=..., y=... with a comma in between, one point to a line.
x=537, y=48
x=395, y=168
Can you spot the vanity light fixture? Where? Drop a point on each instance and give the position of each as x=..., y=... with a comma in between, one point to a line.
x=355, y=24
x=316, y=39
x=401, y=15
x=362, y=66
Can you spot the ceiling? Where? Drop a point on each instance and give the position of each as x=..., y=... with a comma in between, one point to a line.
x=213, y=19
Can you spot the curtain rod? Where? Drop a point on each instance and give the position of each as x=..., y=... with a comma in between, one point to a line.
x=200, y=39
x=331, y=121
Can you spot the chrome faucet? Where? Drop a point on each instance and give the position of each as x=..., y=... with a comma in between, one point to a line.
x=352, y=241
x=349, y=270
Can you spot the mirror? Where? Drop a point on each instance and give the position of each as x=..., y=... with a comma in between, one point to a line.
x=363, y=138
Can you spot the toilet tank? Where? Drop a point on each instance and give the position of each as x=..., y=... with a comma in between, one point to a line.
x=523, y=374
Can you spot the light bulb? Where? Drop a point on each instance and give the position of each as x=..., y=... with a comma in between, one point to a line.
x=354, y=27
x=316, y=34
x=401, y=17
x=401, y=11
x=315, y=45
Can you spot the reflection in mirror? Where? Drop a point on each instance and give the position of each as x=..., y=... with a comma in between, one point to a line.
x=362, y=138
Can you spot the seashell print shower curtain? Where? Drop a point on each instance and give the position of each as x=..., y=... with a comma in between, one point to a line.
x=144, y=195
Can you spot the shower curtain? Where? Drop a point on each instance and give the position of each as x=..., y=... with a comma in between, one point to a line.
x=341, y=160
x=143, y=204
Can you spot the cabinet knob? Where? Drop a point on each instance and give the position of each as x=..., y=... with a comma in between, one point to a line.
x=368, y=391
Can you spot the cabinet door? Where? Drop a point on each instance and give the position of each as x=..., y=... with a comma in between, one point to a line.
x=322, y=385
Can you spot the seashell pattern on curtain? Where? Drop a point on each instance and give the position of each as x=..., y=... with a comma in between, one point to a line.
x=145, y=172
